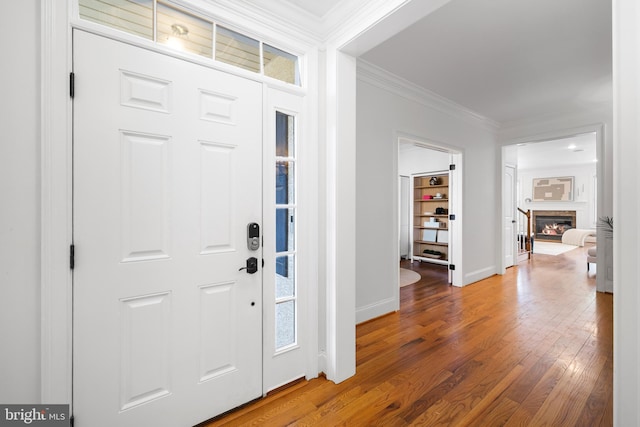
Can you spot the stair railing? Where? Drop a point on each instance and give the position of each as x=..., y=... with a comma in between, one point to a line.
x=526, y=239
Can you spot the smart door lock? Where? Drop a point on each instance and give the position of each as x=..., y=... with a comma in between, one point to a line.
x=253, y=236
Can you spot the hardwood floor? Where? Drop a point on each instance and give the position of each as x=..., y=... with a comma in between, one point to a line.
x=530, y=348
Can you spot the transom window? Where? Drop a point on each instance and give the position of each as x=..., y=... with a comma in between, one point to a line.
x=165, y=24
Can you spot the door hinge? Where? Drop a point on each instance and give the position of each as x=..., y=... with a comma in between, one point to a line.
x=452, y=217
x=72, y=84
x=72, y=257
x=452, y=167
x=452, y=266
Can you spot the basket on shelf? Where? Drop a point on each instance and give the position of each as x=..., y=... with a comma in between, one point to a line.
x=430, y=253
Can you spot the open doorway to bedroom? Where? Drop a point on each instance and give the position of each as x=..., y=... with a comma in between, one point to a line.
x=429, y=209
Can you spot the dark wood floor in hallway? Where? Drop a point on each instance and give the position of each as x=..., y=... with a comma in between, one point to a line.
x=530, y=348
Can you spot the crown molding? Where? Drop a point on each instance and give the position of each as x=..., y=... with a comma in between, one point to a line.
x=357, y=15
x=352, y=18
x=339, y=25
x=376, y=76
x=288, y=17
x=592, y=113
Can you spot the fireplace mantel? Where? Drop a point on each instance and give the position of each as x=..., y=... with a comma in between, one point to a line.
x=549, y=225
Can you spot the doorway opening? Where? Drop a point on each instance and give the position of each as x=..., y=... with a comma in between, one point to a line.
x=553, y=175
x=429, y=211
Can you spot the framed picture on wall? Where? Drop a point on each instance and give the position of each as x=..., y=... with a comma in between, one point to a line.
x=556, y=189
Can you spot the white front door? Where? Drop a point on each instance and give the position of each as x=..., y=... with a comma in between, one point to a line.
x=509, y=217
x=167, y=175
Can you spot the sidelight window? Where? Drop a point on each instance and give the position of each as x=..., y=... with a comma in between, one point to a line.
x=286, y=292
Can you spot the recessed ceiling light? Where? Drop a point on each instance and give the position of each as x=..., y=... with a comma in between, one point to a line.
x=572, y=147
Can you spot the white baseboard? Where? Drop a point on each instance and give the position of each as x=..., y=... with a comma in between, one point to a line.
x=376, y=309
x=322, y=362
x=478, y=275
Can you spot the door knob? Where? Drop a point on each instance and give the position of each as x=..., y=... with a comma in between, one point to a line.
x=252, y=265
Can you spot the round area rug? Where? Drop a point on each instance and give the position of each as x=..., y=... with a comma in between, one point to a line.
x=408, y=277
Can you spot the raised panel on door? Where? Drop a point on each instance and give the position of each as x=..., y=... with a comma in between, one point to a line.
x=167, y=174
x=145, y=196
x=218, y=192
x=145, y=338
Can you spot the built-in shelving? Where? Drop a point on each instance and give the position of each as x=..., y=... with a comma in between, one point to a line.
x=430, y=218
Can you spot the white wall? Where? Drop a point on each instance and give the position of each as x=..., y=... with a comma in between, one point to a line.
x=381, y=116
x=626, y=211
x=19, y=215
x=583, y=202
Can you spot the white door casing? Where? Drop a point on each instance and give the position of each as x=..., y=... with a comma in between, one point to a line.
x=456, y=276
x=405, y=218
x=167, y=175
x=509, y=216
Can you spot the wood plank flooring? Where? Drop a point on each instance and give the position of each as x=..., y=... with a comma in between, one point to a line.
x=530, y=348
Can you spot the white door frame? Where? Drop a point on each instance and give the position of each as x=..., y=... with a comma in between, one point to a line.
x=455, y=207
x=602, y=284
x=402, y=214
x=57, y=21
x=514, y=253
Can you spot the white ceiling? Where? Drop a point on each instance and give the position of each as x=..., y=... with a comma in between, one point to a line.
x=507, y=60
x=576, y=150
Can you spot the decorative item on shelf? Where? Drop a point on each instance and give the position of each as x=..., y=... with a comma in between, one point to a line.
x=440, y=211
x=427, y=197
x=432, y=223
x=429, y=235
x=438, y=196
x=428, y=213
x=430, y=253
x=434, y=180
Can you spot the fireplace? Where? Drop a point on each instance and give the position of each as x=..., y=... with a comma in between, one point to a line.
x=550, y=225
